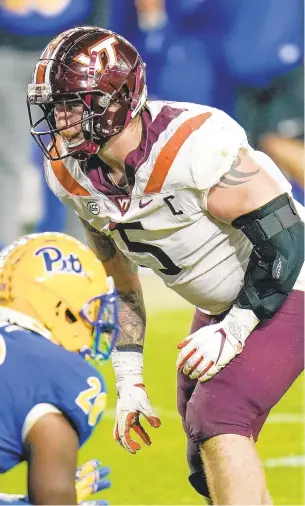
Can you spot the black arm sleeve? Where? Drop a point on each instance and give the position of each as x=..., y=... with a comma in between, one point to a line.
x=277, y=234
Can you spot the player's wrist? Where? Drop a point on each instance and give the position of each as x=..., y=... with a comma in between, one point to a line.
x=239, y=323
x=128, y=367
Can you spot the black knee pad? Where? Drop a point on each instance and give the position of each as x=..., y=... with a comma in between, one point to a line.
x=199, y=483
x=197, y=476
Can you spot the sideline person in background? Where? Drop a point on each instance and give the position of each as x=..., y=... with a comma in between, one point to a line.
x=225, y=46
x=273, y=118
x=221, y=44
x=25, y=29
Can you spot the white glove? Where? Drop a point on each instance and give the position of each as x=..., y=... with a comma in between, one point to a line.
x=208, y=350
x=132, y=400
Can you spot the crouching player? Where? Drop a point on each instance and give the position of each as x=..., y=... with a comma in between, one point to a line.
x=58, y=311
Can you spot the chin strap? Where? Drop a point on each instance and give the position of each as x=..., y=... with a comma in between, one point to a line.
x=85, y=149
x=137, y=100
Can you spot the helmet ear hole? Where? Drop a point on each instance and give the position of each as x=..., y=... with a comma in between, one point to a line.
x=124, y=95
x=70, y=318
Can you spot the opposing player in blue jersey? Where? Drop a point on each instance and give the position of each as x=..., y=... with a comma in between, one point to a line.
x=57, y=312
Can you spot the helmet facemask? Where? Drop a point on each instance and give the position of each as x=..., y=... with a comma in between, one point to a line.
x=102, y=314
x=94, y=129
x=102, y=116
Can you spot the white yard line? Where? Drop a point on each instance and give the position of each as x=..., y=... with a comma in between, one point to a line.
x=289, y=461
x=285, y=418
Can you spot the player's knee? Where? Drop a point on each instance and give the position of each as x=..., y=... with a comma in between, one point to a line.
x=200, y=422
x=214, y=409
x=181, y=405
x=185, y=389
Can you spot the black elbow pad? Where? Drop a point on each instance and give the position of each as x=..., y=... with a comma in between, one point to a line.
x=277, y=234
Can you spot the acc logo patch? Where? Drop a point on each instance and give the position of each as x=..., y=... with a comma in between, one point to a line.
x=54, y=261
x=93, y=207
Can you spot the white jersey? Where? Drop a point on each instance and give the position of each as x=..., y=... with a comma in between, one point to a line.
x=164, y=223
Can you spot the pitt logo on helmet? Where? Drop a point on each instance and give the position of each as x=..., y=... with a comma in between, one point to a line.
x=54, y=261
x=81, y=315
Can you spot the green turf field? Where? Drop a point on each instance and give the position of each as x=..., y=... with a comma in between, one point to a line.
x=158, y=475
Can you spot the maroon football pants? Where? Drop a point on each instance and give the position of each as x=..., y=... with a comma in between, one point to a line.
x=238, y=399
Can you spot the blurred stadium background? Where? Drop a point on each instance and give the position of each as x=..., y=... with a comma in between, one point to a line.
x=243, y=56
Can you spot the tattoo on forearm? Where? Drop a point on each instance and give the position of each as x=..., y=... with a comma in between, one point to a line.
x=132, y=319
x=235, y=177
x=103, y=245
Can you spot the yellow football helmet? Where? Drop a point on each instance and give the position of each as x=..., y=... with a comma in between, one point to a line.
x=58, y=281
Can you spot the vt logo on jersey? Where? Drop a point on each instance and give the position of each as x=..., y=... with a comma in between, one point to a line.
x=55, y=261
x=121, y=201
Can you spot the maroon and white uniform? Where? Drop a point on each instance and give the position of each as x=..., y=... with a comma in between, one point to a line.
x=164, y=224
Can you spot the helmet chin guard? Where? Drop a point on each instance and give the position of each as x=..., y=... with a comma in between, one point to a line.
x=93, y=67
x=84, y=150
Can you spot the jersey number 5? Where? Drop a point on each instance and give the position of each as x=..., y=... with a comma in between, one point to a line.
x=92, y=401
x=170, y=269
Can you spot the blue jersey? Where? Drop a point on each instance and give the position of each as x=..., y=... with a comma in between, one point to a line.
x=36, y=373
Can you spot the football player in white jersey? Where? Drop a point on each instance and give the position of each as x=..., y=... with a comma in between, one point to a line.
x=177, y=188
